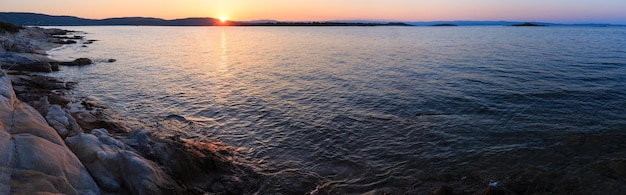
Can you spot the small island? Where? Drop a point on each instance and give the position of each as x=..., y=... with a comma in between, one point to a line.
x=444, y=25
x=528, y=24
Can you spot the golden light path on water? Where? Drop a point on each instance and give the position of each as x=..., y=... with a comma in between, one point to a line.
x=224, y=49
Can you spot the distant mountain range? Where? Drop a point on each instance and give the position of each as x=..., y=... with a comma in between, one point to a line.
x=35, y=19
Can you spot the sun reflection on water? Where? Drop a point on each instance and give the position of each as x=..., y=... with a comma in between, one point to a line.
x=223, y=65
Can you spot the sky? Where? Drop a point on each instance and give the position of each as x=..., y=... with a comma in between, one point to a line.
x=559, y=11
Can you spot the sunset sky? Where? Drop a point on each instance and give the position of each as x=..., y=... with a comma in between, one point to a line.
x=562, y=11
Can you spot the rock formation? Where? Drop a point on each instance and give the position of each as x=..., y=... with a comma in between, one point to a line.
x=34, y=157
x=112, y=165
x=78, y=62
x=106, y=154
x=25, y=50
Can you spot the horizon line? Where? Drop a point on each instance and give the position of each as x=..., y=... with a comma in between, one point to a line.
x=339, y=20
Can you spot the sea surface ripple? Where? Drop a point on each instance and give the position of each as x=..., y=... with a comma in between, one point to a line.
x=356, y=109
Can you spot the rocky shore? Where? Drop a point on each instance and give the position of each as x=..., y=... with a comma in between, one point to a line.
x=53, y=144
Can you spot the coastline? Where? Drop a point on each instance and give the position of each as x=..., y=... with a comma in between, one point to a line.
x=116, y=155
x=602, y=175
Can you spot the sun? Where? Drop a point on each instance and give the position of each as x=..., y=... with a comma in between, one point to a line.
x=223, y=19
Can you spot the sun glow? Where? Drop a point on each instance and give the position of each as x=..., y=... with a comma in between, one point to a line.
x=223, y=19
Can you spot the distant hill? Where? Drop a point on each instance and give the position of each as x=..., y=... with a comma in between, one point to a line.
x=35, y=19
x=42, y=19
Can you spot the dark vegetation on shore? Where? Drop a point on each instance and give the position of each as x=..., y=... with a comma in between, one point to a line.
x=9, y=27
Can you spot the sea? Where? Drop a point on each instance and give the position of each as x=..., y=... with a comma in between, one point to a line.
x=396, y=110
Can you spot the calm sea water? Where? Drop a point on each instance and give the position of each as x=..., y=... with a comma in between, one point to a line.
x=388, y=109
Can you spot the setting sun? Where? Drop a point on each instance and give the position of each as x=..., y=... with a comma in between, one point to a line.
x=222, y=19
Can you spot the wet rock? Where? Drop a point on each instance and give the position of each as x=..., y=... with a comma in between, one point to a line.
x=55, y=31
x=89, y=105
x=82, y=61
x=198, y=165
x=77, y=62
x=76, y=37
x=65, y=42
x=111, y=60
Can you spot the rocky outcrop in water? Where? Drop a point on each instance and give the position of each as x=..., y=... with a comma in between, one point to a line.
x=77, y=62
x=25, y=50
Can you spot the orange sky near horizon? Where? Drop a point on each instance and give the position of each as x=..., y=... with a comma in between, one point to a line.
x=564, y=11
